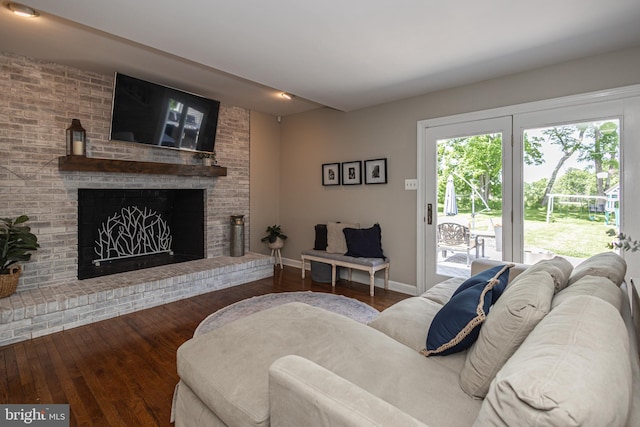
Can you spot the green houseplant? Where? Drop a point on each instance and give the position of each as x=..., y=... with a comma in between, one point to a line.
x=624, y=242
x=16, y=244
x=274, y=238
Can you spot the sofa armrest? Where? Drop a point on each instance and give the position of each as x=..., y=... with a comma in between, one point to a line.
x=302, y=393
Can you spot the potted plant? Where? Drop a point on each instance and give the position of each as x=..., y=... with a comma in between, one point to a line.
x=274, y=238
x=208, y=158
x=624, y=242
x=16, y=243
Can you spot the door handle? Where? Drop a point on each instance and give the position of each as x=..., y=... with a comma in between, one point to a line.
x=429, y=213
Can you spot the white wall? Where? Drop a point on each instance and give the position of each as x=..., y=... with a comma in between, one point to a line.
x=264, y=195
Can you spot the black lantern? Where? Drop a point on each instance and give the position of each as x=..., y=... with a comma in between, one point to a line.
x=76, y=139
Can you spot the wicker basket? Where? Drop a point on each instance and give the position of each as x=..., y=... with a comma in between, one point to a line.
x=9, y=282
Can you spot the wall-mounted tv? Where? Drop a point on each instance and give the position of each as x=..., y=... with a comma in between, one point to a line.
x=157, y=115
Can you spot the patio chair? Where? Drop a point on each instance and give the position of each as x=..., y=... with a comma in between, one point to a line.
x=457, y=238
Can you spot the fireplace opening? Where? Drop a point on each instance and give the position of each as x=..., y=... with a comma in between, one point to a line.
x=122, y=230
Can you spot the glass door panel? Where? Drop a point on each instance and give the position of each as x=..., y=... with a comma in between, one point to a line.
x=571, y=188
x=469, y=214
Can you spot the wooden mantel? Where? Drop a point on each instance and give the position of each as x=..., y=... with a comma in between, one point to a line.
x=90, y=164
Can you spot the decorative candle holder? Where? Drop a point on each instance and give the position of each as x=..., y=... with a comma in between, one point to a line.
x=76, y=139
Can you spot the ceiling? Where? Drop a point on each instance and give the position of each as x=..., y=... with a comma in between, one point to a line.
x=345, y=55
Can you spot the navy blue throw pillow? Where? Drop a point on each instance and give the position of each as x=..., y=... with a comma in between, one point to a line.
x=456, y=326
x=320, y=242
x=364, y=242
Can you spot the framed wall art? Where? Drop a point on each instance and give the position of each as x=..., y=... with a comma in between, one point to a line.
x=352, y=173
x=375, y=171
x=331, y=174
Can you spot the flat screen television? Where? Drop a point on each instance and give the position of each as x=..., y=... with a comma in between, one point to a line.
x=160, y=116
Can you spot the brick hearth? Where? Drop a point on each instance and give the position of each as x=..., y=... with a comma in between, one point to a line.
x=35, y=312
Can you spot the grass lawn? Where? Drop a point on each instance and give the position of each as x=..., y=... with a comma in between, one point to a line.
x=570, y=232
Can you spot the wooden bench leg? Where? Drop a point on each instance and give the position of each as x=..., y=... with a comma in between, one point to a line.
x=372, y=280
x=386, y=278
x=333, y=275
x=302, y=267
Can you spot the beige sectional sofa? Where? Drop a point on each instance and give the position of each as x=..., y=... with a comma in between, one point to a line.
x=557, y=348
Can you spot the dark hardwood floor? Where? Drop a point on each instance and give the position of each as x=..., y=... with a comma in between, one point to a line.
x=122, y=371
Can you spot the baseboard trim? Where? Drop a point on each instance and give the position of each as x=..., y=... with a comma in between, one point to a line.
x=360, y=277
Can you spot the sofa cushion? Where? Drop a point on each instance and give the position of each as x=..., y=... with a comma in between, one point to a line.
x=572, y=370
x=320, y=242
x=481, y=264
x=336, y=242
x=227, y=368
x=522, y=305
x=364, y=242
x=442, y=292
x=408, y=322
x=455, y=327
x=606, y=264
x=559, y=268
x=600, y=287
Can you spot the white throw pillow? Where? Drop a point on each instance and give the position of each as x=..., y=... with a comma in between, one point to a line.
x=336, y=242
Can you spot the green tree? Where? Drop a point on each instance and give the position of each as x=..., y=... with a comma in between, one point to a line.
x=595, y=142
x=600, y=146
x=534, y=192
x=568, y=139
x=476, y=159
x=576, y=181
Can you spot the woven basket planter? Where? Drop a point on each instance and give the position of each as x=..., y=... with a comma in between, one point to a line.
x=9, y=282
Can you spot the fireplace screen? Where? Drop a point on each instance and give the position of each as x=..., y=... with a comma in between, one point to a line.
x=124, y=230
x=130, y=233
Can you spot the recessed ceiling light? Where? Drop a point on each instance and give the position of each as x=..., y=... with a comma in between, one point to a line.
x=22, y=10
x=286, y=96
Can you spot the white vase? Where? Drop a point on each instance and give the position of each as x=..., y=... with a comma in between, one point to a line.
x=278, y=244
x=206, y=161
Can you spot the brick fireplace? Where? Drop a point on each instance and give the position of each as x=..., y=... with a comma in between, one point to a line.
x=39, y=100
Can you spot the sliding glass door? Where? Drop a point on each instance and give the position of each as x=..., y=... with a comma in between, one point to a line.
x=556, y=190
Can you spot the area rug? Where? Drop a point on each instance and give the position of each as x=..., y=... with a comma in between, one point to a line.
x=349, y=307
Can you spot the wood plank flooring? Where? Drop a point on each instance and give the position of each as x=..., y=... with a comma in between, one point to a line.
x=122, y=371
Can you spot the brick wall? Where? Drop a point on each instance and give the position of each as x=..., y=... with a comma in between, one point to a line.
x=37, y=102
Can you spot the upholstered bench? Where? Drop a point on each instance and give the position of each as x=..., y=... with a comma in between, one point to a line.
x=371, y=265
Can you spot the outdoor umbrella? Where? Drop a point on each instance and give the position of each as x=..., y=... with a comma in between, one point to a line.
x=450, y=203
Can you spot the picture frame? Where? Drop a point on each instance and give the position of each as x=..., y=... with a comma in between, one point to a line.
x=331, y=174
x=375, y=171
x=352, y=173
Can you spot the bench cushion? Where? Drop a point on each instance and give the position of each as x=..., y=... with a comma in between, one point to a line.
x=369, y=262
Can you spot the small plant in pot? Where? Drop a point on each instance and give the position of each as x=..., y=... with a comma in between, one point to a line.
x=208, y=158
x=274, y=238
x=624, y=241
x=16, y=244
